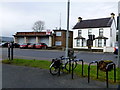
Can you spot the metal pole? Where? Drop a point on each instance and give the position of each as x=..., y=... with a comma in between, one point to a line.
x=60, y=22
x=67, y=34
x=82, y=67
x=72, y=69
x=89, y=73
x=119, y=36
x=69, y=65
x=11, y=50
x=114, y=72
x=119, y=40
x=97, y=70
x=107, y=78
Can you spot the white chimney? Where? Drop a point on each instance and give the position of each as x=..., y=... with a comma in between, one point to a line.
x=79, y=19
x=112, y=15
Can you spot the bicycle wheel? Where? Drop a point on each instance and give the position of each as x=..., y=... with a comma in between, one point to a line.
x=54, y=70
x=68, y=65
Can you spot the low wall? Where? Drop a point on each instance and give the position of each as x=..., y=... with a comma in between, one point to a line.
x=108, y=49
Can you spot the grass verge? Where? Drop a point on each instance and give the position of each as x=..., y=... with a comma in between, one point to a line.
x=45, y=65
x=101, y=74
x=30, y=63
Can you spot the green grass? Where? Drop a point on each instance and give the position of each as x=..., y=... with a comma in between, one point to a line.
x=45, y=65
x=101, y=74
x=30, y=63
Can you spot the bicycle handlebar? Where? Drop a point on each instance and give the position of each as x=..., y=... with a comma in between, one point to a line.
x=78, y=60
x=62, y=58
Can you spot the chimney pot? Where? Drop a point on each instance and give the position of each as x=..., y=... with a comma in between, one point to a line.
x=112, y=14
x=79, y=19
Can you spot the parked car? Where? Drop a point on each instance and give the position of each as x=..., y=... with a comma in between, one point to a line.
x=4, y=44
x=1, y=44
x=41, y=45
x=116, y=49
x=24, y=45
x=15, y=45
x=32, y=45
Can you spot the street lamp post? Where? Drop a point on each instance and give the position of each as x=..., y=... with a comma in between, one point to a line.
x=119, y=35
x=119, y=41
x=67, y=34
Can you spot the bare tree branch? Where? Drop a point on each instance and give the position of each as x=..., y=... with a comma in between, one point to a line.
x=38, y=26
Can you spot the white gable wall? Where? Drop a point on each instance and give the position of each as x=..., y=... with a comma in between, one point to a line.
x=113, y=38
x=106, y=33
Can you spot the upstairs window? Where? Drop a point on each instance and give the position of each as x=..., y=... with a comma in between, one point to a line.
x=79, y=32
x=101, y=32
x=89, y=31
x=58, y=33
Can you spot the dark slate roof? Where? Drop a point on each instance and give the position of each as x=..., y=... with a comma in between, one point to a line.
x=101, y=37
x=94, y=23
x=79, y=37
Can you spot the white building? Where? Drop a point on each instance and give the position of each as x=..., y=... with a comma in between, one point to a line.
x=96, y=33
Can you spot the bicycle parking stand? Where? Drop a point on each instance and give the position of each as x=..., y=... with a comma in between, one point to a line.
x=72, y=70
x=10, y=51
x=72, y=74
x=89, y=70
x=107, y=70
x=82, y=65
x=69, y=66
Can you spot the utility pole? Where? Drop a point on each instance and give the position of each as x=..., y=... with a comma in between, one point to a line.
x=67, y=34
x=60, y=22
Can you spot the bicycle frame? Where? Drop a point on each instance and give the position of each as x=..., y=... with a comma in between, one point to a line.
x=58, y=64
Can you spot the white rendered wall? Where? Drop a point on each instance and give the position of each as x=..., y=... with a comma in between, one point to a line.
x=95, y=31
x=113, y=34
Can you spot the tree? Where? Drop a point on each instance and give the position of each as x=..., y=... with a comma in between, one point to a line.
x=38, y=26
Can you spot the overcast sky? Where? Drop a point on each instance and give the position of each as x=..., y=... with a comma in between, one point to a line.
x=20, y=16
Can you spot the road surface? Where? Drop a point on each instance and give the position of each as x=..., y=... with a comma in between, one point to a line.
x=39, y=54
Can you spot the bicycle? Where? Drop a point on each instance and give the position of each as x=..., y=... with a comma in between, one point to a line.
x=57, y=64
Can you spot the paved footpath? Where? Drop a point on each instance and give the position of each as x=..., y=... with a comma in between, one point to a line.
x=27, y=77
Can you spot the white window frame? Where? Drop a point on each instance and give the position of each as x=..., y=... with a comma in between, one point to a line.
x=82, y=42
x=101, y=32
x=104, y=42
x=58, y=43
x=79, y=32
x=58, y=34
x=89, y=31
x=78, y=42
x=99, y=42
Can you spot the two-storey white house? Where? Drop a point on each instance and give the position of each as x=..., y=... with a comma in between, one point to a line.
x=96, y=33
